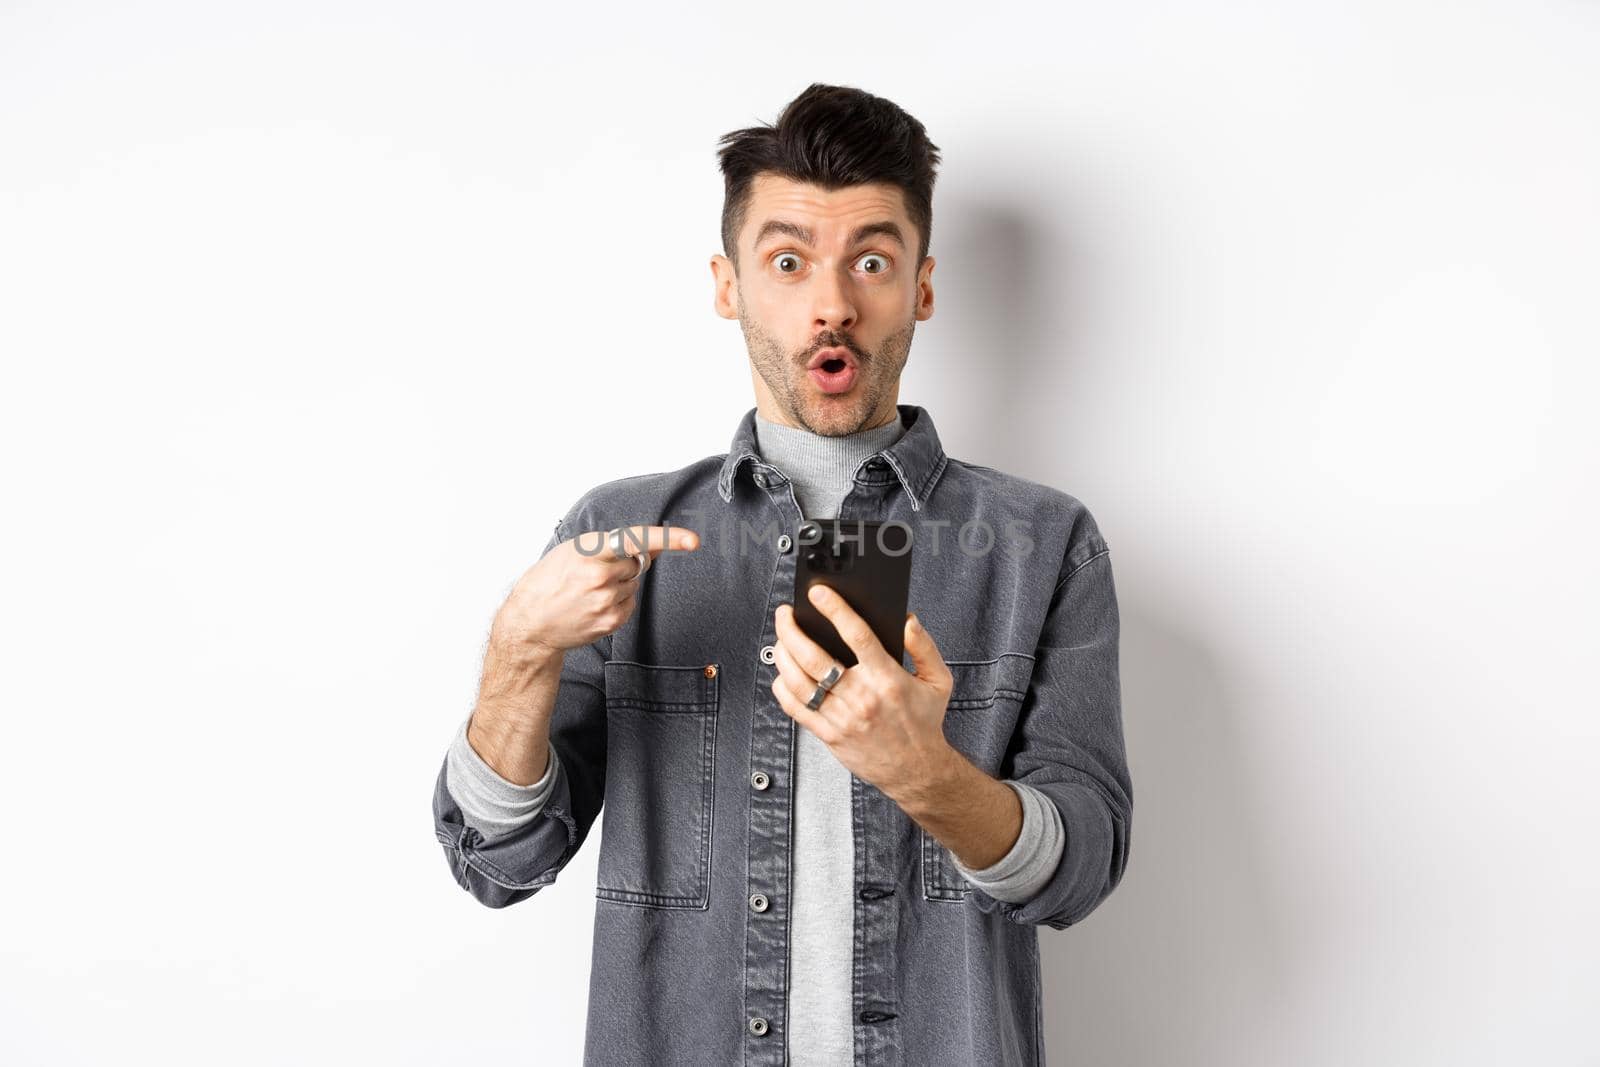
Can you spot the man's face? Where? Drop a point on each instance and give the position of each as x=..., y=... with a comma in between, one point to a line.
x=823, y=270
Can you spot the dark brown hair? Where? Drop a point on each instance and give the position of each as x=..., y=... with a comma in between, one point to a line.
x=832, y=136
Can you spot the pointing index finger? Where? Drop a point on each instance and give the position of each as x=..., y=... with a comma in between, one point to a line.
x=636, y=539
x=676, y=538
x=658, y=539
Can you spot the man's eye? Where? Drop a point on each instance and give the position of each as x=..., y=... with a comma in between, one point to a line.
x=882, y=261
x=786, y=257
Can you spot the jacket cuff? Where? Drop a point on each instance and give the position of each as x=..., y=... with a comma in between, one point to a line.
x=490, y=804
x=1027, y=868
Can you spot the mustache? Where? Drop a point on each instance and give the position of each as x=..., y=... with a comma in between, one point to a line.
x=813, y=349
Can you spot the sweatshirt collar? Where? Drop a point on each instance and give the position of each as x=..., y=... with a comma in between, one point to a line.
x=915, y=459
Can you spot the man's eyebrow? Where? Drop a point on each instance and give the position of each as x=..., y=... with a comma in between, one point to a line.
x=884, y=228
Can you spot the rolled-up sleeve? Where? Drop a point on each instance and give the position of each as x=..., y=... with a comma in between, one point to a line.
x=1023, y=871
x=1069, y=743
x=490, y=804
x=524, y=856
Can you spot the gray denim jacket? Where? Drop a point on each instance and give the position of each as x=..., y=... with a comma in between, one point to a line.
x=669, y=730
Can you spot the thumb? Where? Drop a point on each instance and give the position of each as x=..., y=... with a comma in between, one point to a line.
x=923, y=652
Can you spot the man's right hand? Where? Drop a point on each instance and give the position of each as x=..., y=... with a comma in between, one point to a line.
x=568, y=599
x=575, y=595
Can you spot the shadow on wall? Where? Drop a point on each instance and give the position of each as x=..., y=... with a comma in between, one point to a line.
x=1001, y=352
x=1186, y=961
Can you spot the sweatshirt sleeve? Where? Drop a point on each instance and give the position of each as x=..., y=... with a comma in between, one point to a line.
x=490, y=804
x=1025, y=870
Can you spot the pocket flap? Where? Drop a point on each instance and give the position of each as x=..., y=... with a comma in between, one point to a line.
x=977, y=683
x=660, y=687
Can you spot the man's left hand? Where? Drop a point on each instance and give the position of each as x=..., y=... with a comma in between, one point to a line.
x=883, y=723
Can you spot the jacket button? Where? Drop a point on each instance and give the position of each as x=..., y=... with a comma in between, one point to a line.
x=785, y=542
x=758, y=1026
x=760, y=780
x=758, y=902
x=768, y=653
x=711, y=670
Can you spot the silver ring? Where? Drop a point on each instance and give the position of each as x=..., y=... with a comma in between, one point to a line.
x=614, y=541
x=827, y=682
x=831, y=679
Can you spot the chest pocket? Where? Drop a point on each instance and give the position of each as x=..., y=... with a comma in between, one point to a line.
x=661, y=736
x=985, y=699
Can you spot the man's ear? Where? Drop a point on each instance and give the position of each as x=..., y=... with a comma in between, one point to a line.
x=725, y=297
x=924, y=307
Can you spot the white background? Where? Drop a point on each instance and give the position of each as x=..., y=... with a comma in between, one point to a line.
x=315, y=316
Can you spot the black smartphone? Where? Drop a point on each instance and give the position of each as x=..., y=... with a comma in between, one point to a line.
x=866, y=562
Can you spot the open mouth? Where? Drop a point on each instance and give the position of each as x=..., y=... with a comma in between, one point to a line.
x=833, y=370
x=832, y=360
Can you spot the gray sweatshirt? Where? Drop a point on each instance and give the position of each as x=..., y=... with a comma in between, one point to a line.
x=822, y=470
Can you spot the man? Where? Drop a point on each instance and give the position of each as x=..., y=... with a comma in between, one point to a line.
x=802, y=862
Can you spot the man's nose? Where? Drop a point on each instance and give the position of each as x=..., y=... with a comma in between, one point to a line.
x=834, y=308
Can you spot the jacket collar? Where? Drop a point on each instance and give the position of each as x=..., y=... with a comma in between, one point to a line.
x=916, y=458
